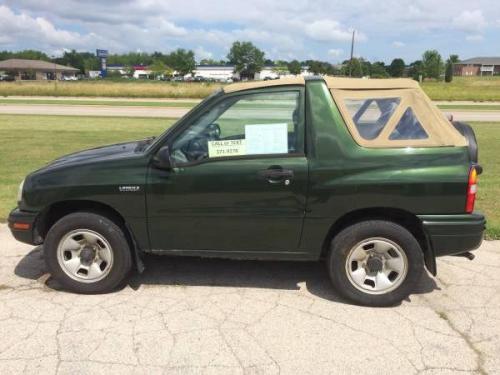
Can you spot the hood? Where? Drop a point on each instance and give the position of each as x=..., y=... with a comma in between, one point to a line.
x=103, y=153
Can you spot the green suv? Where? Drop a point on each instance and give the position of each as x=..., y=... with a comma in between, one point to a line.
x=366, y=174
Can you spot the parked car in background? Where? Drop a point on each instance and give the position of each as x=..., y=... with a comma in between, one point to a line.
x=366, y=174
x=7, y=78
x=69, y=78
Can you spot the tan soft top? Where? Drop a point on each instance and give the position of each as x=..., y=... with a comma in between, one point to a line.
x=370, y=84
x=240, y=86
x=440, y=131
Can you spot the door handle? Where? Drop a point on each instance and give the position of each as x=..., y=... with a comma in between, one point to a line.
x=277, y=175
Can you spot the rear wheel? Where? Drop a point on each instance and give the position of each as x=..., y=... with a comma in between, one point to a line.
x=375, y=263
x=87, y=253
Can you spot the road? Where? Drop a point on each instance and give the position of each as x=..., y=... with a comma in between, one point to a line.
x=190, y=316
x=91, y=110
x=174, y=112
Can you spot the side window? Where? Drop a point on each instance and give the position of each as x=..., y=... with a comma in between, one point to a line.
x=408, y=127
x=249, y=124
x=371, y=115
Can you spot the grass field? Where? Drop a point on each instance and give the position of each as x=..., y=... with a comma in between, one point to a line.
x=189, y=104
x=462, y=88
x=28, y=142
x=125, y=89
x=465, y=88
x=471, y=107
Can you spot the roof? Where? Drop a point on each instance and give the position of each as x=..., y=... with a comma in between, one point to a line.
x=259, y=84
x=215, y=67
x=370, y=84
x=331, y=82
x=19, y=64
x=480, y=61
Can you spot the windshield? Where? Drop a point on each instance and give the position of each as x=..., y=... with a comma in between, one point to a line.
x=153, y=141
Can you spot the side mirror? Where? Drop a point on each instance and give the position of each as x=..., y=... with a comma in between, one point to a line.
x=162, y=159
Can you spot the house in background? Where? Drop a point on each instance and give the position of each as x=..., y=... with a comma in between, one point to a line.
x=141, y=72
x=117, y=68
x=22, y=69
x=477, y=66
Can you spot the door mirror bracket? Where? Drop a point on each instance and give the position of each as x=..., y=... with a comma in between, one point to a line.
x=162, y=159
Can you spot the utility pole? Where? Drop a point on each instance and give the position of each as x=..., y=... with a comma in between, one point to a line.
x=352, y=53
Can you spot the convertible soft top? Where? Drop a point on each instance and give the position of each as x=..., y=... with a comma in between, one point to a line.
x=392, y=113
x=370, y=84
x=383, y=113
x=299, y=80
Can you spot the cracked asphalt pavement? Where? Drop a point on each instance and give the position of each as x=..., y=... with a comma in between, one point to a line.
x=196, y=316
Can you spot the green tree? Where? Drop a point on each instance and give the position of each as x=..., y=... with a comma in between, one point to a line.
x=416, y=70
x=280, y=68
x=433, y=64
x=448, y=74
x=247, y=58
x=320, y=67
x=84, y=61
x=397, y=68
x=378, y=70
x=158, y=68
x=357, y=67
x=212, y=62
x=294, y=67
x=454, y=59
x=181, y=60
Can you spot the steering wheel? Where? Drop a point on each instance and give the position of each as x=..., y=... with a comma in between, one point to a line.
x=197, y=148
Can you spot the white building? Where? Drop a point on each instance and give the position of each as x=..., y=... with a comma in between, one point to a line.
x=142, y=74
x=272, y=72
x=220, y=73
x=223, y=73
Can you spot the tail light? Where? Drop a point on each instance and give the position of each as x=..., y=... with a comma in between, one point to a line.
x=471, y=190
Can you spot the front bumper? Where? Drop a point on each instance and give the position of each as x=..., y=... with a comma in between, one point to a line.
x=23, y=228
x=454, y=234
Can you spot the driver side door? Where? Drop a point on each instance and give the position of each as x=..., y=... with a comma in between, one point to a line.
x=239, y=181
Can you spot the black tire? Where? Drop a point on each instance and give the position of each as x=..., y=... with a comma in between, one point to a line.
x=348, y=238
x=122, y=258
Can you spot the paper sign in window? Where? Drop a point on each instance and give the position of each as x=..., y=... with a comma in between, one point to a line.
x=266, y=139
x=219, y=149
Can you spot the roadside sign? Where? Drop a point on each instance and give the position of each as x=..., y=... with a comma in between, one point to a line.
x=101, y=53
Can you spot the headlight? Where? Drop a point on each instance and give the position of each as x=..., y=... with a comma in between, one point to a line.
x=20, y=191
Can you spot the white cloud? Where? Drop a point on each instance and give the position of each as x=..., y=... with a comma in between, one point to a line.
x=471, y=21
x=39, y=29
x=398, y=44
x=335, y=52
x=167, y=28
x=201, y=53
x=329, y=30
x=302, y=28
x=474, y=38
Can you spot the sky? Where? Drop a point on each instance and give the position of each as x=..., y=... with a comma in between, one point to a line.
x=297, y=29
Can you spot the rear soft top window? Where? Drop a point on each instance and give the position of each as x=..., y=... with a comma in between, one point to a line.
x=391, y=113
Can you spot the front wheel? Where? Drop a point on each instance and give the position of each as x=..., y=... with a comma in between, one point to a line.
x=87, y=253
x=375, y=263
